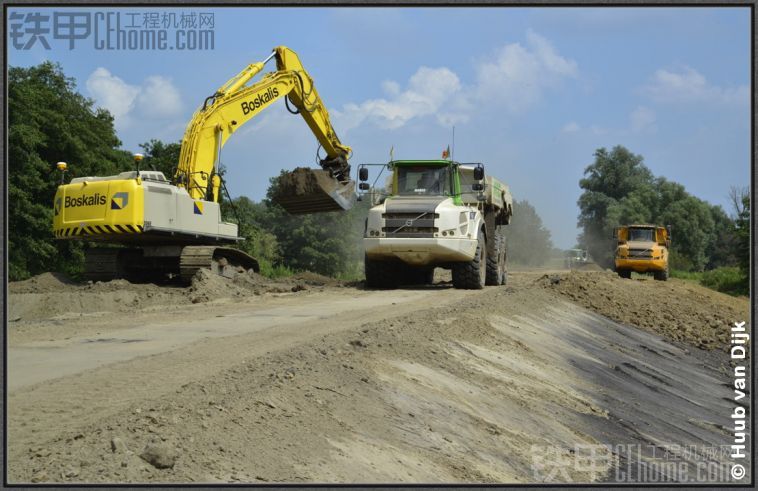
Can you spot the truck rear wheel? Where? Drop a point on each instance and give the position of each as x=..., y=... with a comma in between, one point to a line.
x=624, y=273
x=496, y=263
x=380, y=274
x=471, y=275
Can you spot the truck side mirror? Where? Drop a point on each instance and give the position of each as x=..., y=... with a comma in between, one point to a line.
x=615, y=233
x=363, y=174
x=477, y=186
x=478, y=173
x=364, y=186
x=668, y=231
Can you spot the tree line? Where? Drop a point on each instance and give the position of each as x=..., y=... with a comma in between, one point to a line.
x=49, y=121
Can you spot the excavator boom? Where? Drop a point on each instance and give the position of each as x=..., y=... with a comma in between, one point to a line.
x=236, y=103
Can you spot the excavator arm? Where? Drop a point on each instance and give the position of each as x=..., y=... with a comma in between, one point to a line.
x=235, y=103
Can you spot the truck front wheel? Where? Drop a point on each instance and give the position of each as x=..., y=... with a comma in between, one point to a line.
x=662, y=275
x=380, y=274
x=471, y=275
x=624, y=273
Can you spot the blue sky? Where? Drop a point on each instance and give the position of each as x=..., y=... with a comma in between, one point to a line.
x=532, y=92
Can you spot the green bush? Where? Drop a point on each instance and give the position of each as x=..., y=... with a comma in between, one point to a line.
x=680, y=262
x=270, y=270
x=729, y=280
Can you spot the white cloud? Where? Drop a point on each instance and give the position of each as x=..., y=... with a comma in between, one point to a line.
x=517, y=75
x=642, y=118
x=426, y=94
x=155, y=98
x=548, y=58
x=571, y=127
x=390, y=87
x=515, y=78
x=159, y=98
x=688, y=85
x=112, y=93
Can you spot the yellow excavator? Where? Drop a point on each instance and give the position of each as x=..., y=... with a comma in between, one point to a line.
x=174, y=228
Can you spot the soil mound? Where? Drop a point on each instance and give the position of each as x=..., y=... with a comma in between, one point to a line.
x=674, y=309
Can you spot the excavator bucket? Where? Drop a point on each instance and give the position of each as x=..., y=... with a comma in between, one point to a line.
x=304, y=191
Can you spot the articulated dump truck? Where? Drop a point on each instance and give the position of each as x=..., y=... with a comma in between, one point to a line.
x=437, y=214
x=643, y=249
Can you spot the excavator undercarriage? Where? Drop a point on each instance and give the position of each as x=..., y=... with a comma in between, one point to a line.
x=166, y=263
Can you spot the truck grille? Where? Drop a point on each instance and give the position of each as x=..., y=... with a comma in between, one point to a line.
x=409, y=225
x=640, y=253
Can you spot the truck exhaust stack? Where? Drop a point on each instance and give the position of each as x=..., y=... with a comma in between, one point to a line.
x=304, y=191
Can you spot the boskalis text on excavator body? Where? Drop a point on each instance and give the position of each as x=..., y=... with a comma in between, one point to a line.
x=643, y=249
x=174, y=228
x=437, y=214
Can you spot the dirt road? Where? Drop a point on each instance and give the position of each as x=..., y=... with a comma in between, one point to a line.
x=312, y=380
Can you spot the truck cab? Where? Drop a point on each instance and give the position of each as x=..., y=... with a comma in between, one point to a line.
x=574, y=258
x=437, y=213
x=643, y=249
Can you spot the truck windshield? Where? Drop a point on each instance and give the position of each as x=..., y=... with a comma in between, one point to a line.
x=420, y=180
x=641, y=234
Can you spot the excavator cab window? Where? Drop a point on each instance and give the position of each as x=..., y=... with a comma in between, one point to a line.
x=641, y=235
x=434, y=181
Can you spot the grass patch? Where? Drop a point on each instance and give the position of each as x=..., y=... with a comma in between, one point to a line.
x=729, y=280
x=274, y=271
x=687, y=275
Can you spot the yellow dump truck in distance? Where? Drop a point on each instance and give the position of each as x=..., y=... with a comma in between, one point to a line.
x=643, y=249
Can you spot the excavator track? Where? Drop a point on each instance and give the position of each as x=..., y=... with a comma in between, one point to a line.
x=106, y=264
x=220, y=260
x=102, y=264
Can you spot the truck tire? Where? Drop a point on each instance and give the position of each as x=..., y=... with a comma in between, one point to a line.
x=624, y=273
x=471, y=275
x=504, y=279
x=661, y=275
x=496, y=263
x=380, y=274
